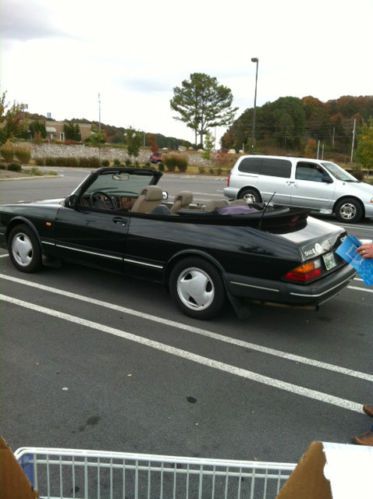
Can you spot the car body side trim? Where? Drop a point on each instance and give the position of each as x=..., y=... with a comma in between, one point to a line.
x=146, y=264
x=48, y=243
x=316, y=295
x=103, y=255
x=252, y=286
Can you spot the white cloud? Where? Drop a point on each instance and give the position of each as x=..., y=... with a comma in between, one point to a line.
x=56, y=57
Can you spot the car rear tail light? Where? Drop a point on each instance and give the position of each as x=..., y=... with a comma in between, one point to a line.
x=228, y=179
x=306, y=272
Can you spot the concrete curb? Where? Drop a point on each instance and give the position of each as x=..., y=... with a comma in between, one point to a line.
x=33, y=177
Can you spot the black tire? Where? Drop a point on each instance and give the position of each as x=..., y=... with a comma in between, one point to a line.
x=24, y=249
x=250, y=195
x=197, y=288
x=349, y=210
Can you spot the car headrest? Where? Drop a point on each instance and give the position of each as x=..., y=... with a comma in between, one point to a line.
x=152, y=193
x=185, y=198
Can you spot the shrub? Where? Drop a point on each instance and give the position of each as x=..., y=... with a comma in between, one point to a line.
x=358, y=174
x=175, y=160
x=201, y=170
x=225, y=160
x=161, y=167
x=105, y=162
x=35, y=171
x=40, y=161
x=7, y=151
x=14, y=167
x=116, y=162
x=90, y=162
x=23, y=154
x=128, y=162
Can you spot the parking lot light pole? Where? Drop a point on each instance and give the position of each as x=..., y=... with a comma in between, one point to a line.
x=256, y=60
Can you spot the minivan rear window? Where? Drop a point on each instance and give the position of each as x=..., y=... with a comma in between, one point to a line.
x=266, y=166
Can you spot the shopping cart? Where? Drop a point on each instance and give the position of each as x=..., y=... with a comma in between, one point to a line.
x=88, y=474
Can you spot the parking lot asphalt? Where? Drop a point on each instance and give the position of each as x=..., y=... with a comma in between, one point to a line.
x=91, y=360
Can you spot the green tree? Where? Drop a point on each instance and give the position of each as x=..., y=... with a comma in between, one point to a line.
x=365, y=145
x=12, y=119
x=72, y=131
x=37, y=128
x=95, y=139
x=209, y=145
x=133, y=140
x=202, y=104
x=289, y=121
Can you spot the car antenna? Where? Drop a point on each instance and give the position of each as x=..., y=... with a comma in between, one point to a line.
x=264, y=210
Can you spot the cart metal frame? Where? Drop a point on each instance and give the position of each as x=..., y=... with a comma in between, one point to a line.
x=89, y=474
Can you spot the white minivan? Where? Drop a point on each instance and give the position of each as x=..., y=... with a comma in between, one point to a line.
x=316, y=184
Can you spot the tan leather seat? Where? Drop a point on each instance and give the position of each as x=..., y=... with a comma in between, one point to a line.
x=214, y=204
x=149, y=198
x=181, y=200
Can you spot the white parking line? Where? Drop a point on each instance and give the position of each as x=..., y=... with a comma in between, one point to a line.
x=357, y=288
x=201, y=332
x=199, y=359
x=3, y=256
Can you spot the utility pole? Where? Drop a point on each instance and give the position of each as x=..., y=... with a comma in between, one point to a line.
x=353, y=140
x=256, y=60
x=99, y=112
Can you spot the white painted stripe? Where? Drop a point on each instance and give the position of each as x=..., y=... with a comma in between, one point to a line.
x=192, y=329
x=4, y=256
x=192, y=357
x=366, y=290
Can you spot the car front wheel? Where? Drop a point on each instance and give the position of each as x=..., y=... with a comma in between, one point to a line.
x=197, y=288
x=349, y=210
x=24, y=249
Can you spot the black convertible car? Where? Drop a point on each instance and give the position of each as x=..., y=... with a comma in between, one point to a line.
x=118, y=219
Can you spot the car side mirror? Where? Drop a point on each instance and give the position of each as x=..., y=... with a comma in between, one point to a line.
x=71, y=201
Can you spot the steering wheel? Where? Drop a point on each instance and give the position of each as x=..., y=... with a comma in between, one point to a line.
x=103, y=197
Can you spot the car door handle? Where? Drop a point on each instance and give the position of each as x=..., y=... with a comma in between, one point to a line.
x=120, y=220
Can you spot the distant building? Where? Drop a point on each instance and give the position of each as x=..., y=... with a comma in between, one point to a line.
x=55, y=130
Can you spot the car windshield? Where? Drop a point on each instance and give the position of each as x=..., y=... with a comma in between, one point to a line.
x=338, y=172
x=120, y=183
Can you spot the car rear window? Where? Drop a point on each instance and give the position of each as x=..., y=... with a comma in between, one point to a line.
x=266, y=166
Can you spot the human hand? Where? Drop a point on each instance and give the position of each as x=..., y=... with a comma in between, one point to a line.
x=366, y=250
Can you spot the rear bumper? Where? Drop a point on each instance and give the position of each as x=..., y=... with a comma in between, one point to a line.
x=287, y=293
x=368, y=207
x=230, y=192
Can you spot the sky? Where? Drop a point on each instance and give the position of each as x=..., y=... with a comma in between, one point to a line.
x=57, y=56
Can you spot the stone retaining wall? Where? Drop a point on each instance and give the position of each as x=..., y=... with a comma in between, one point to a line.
x=104, y=153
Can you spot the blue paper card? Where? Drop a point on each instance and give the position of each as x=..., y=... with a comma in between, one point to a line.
x=364, y=267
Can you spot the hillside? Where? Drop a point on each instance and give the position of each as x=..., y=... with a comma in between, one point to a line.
x=299, y=126
x=114, y=135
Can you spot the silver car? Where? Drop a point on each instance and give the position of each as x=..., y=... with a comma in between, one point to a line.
x=318, y=185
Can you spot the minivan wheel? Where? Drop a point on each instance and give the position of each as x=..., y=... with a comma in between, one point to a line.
x=197, y=288
x=250, y=196
x=349, y=210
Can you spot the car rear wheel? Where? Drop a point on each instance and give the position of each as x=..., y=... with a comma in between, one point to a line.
x=24, y=249
x=197, y=288
x=250, y=196
x=349, y=210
